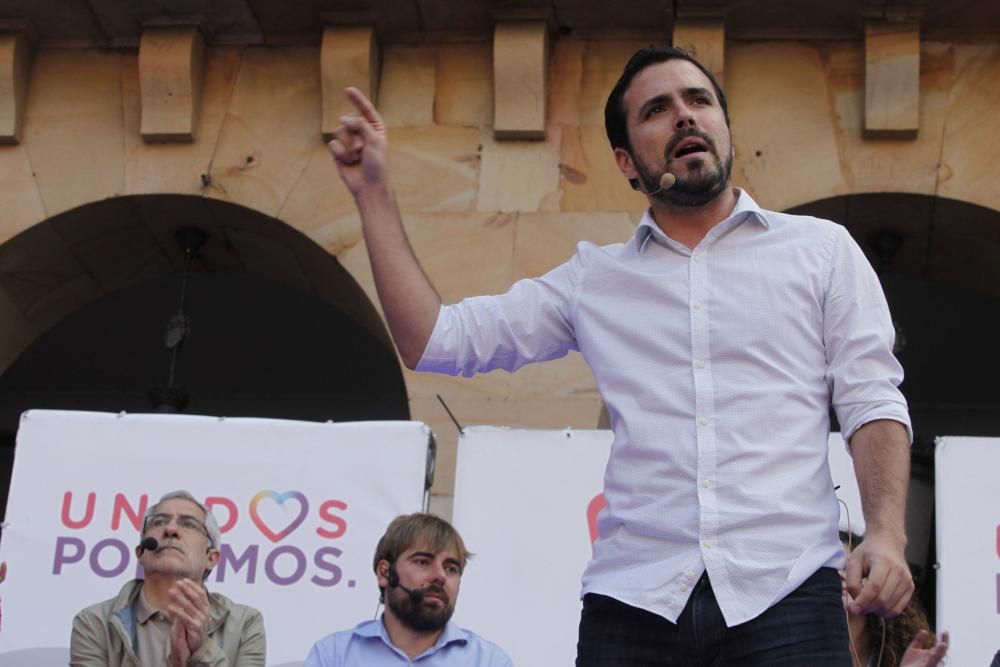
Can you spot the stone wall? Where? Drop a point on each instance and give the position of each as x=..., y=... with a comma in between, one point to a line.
x=482, y=213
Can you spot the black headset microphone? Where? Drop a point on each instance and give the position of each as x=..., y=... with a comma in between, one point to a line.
x=416, y=594
x=666, y=182
x=149, y=544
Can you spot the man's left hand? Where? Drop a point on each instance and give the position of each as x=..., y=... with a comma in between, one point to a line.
x=878, y=578
x=189, y=612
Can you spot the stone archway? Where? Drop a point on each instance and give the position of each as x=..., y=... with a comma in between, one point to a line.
x=278, y=328
x=939, y=263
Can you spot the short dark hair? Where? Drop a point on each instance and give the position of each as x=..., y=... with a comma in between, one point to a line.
x=614, y=112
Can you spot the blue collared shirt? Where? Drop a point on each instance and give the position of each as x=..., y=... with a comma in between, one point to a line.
x=718, y=365
x=368, y=645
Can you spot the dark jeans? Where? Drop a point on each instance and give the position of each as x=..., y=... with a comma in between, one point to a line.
x=806, y=629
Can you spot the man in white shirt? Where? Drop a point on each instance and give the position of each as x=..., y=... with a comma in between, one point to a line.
x=719, y=335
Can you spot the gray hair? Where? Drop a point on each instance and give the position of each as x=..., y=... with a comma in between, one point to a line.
x=211, y=524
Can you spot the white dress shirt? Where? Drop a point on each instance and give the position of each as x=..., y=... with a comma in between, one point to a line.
x=718, y=366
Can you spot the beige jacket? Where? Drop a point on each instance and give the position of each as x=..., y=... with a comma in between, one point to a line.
x=104, y=634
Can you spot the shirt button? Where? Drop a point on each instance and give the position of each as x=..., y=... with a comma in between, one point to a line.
x=703, y=421
x=699, y=363
x=697, y=305
x=706, y=483
x=708, y=544
x=695, y=258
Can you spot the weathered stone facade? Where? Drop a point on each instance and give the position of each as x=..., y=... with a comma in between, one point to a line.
x=481, y=212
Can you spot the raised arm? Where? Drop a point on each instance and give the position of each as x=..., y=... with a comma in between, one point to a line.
x=410, y=302
x=878, y=577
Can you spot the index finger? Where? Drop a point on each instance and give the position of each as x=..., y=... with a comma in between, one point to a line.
x=363, y=105
x=871, y=593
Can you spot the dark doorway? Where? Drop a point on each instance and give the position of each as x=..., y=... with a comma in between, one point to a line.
x=277, y=327
x=939, y=264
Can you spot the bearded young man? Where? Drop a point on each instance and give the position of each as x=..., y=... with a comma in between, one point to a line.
x=419, y=564
x=719, y=335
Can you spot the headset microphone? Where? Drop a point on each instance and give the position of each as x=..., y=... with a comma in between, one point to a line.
x=149, y=544
x=666, y=182
x=416, y=594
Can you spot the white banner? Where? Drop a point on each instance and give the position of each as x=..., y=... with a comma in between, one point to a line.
x=967, y=482
x=526, y=504
x=301, y=506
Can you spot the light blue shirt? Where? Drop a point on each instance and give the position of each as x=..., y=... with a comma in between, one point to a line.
x=718, y=365
x=368, y=645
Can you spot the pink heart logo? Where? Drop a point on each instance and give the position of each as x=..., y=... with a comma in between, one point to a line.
x=279, y=498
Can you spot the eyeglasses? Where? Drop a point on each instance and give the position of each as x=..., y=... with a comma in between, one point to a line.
x=185, y=522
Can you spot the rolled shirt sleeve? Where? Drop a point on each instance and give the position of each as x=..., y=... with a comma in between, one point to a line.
x=858, y=332
x=530, y=322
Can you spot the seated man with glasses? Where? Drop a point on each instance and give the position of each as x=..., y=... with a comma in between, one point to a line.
x=169, y=618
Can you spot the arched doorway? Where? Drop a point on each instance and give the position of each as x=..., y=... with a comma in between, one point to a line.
x=277, y=328
x=939, y=263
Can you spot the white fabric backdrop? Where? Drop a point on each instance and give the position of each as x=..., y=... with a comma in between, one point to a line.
x=279, y=483
x=967, y=481
x=523, y=502
x=521, y=499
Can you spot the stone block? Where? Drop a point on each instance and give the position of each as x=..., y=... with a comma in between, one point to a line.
x=557, y=413
x=19, y=196
x=170, y=76
x=494, y=385
x=435, y=168
x=406, y=90
x=520, y=75
x=463, y=85
x=887, y=165
x=464, y=254
x=603, y=62
x=321, y=206
x=519, y=175
x=546, y=240
x=349, y=56
x=270, y=129
x=783, y=124
x=590, y=178
x=73, y=133
x=969, y=168
x=442, y=505
x=705, y=39
x=15, y=68
x=565, y=79
x=892, y=79
x=182, y=168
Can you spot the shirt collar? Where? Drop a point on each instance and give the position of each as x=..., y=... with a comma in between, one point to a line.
x=143, y=610
x=746, y=208
x=376, y=628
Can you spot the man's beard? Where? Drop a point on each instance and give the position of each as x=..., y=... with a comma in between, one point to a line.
x=420, y=617
x=688, y=190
